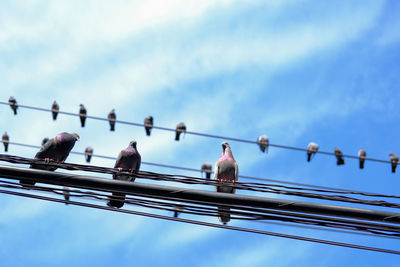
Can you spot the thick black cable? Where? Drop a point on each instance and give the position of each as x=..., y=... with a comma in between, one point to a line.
x=321, y=241
x=194, y=133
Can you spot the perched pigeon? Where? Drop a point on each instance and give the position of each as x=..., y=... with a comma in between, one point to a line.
x=178, y=208
x=44, y=141
x=56, y=149
x=263, y=142
x=13, y=104
x=148, y=124
x=362, y=154
x=312, y=148
x=88, y=153
x=5, y=139
x=394, y=159
x=206, y=167
x=82, y=114
x=111, y=119
x=54, y=109
x=128, y=159
x=180, y=128
x=66, y=194
x=339, y=156
x=226, y=174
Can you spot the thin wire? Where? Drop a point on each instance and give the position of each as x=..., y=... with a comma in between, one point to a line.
x=338, y=190
x=194, y=133
x=321, y=241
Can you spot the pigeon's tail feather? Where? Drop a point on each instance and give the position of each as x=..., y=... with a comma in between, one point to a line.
x=55, y=115
x=262, y=148
x=5, y=147
x=83, y=119
x=309, y=156
x=88, y=158
x=208, y=175
x=340, y=161
x=112, y=127
x=177, y=136
x=27, y=183
x=148, y=131
x=176, y=214
x=394, y=165
x=224, y=214
x=116, y=200
x=15, y=111
x=362, y=164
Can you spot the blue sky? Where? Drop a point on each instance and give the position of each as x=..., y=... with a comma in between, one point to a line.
x=298, y=71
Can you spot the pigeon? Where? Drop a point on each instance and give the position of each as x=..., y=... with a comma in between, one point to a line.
x=111, y=119
x=178, y=208
x=180, y=128
x=44, y=141
x=128, y=159
x=88, y=153
x=5, y=139
x=206, y=167
x=54, y=110
x=148, y=124
x=362, y=154
x=66, y=194
x=82, y=114
x=312, y=148
x=394, y=159
x=263, y=143
x=56, y=149
x=13, y=104
x=226, y=174
x=339, y=156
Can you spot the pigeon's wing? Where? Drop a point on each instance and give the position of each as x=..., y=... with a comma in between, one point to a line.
x=138, y=162
x=216, y=170
x=47, y=149
x=236, y=171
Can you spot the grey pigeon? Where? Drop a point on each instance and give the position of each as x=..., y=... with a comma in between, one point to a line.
x=226, y=174
x=312, y=149
x=56, y=149
x=206, y=167
x=128, y=159
x=13, y=104
x=180, y=128
x=88, y=153
x=66, y=194
x=362, y=154
x=82, y=114
x=54, y=110
x=339, y=156
x=5, y=139
x=394, y=159
x=44, y=141
x=148, y=124
x=178, y=208
x=111, y=119
x=263, y=142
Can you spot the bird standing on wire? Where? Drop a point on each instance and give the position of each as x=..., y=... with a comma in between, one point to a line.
x=180, y=128
x=13, y=104
x=178, y=208
x=128, y=159
x=54, y=110
x=206, y=167
x=56, y=149
x=226, y=174
x=394, y=159
x=312, y=149
x=82, y=114
x=362, y=154
x=148, y=124
x=339, y=156
x=88, y=153
x=66, y=194
x=5, y=139
x=263, y=142
x=111, y=119
x=44, y=141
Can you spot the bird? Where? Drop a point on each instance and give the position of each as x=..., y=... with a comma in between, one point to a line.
x=148, y=124
x=226, y=174
x=56, y=149
x=82, y=114
x=394, y=159
x=180, y=128
x=178, y=208
x=312, y=148
x=128, y=159
x=339, y=156
x=44, y=141
x=362, y=154
x=5, y=139
x=66, y=194
x=88, y=153
x=54, y=110
x=263, y=142
x=111, y=119
x=206, y=167
x=13, y=104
